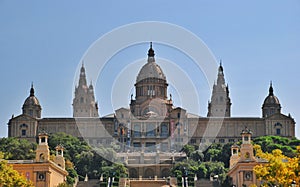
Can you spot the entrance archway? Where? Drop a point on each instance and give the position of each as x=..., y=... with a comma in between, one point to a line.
x=149, y=173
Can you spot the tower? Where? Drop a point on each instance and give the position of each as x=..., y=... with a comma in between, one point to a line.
x=31, y=106
x=271, y=104
x=234, y=155
x=42, y=150
x=59, y=158
x=151, y=90
x=84, y=104
x=220, y=103
x=247, y=153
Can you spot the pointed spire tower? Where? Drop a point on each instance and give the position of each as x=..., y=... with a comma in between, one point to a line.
x=84, y=104
x=220, y=103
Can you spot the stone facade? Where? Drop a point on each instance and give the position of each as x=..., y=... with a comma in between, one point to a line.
x=152, y=124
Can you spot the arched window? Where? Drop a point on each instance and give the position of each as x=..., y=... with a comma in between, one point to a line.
x=137, y=130
x=150, y=128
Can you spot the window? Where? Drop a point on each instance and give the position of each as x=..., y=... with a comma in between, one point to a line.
x=41, y=176
x=151, y=90
x=136, y=146
x=137, y=131
x=164, y=130
x=150, y=130
x=150, y=147
x=23, y=132
x=278, y=131
x=231, y=140
x=222, y=140
x=193, y=141
x=164, y=146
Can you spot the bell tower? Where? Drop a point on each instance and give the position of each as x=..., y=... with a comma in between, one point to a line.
x=84, y=104
x=220, y=103
x=42, y=151
x=59, y=158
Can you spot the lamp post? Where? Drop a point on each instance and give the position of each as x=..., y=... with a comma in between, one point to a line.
x=293, y=183
x=111, y=179
x=185, y=176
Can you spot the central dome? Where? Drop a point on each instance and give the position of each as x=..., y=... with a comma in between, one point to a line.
x=151, y=69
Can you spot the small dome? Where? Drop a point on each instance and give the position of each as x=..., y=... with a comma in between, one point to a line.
x=151, y=69
x=31, y=100
x=271, y=99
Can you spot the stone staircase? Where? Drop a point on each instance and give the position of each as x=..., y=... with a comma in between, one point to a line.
x=89, y=183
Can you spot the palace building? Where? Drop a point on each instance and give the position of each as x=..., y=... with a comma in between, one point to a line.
x=151, y=129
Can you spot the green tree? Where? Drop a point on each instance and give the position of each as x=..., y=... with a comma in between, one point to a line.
x=188, y=149
x=270, y=143
x=17, y=149
x=10, y=177
x=73, y=146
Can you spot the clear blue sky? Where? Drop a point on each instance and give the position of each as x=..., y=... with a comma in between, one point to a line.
x=44, y=41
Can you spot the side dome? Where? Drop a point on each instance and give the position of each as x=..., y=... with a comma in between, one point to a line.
x=271, y=104
x=31, y=100
x=150, y=69
x=32, y=105
x=271, y=99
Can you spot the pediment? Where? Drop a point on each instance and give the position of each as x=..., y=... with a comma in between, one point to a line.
x=278, y=116
x=24, y=117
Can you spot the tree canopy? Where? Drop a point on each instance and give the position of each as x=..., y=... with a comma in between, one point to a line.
x=17, y=149
x=280, y=169
x=10, y=177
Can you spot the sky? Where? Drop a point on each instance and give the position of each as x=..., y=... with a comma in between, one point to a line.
x=45, y=42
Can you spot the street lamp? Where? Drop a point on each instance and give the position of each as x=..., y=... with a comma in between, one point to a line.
x=293, y=183
x=185, y=176
x=111, y=179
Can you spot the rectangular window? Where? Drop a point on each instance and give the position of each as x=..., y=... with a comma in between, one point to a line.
x=278, y=131
x=193, y=141
x=231, y=140
x=222, y=141
x=23, y=132
x=164, y=147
